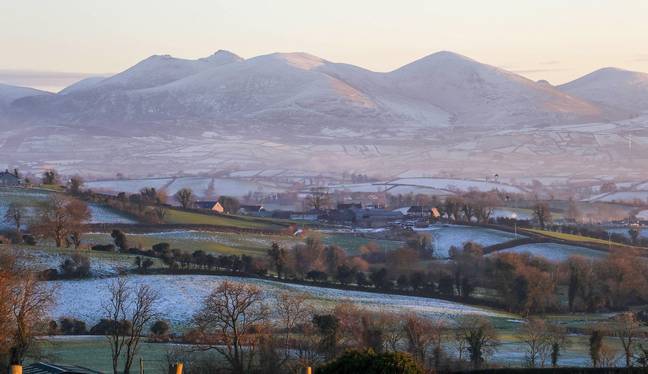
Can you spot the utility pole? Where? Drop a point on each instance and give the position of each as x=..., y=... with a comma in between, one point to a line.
x=141, y=365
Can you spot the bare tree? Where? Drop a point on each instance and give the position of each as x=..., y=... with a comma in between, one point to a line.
x=422, y=336
x=228, y=320
x=185, y=197
x=627, y=330
x=292, y=311
x=393, y=331
x=142, y=313
x=59, y=217
x=541, y=214
x=129, y=311
x=318, y=198
x=557, y=341
x=480, y=338
x=115, y=312
x=15, y=215
x=537, y=341
x=24, y=304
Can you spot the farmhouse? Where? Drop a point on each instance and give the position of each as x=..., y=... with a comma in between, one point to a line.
x=214, y=206
x=9, y=179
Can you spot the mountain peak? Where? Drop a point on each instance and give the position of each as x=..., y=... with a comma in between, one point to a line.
x=222, y=56
x=613, y=88
x=301, y=60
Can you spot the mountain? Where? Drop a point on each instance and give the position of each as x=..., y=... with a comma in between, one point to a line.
x=444, y=113
x=612, y=88
x=81, y=85
x=476, y=93
x=9, y=93
x=298, y=92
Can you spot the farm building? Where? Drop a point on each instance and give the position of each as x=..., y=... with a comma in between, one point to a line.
x=9, y=179
x=375, y=217
x=214, y=206
x=251, y=210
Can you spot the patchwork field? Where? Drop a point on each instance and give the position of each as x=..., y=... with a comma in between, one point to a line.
x=203, y=187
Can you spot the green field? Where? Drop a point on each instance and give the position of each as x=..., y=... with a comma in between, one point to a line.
x=209, y=241
x=175, y=216
x=576, y=239
x=352, y=243
x=94, y=352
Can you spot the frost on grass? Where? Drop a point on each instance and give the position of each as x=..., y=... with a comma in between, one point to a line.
x=181, y=296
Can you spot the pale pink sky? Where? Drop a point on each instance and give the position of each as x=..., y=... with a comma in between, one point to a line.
x=557, y=40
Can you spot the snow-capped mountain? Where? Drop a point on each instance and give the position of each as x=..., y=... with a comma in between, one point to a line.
x=475, y=93
x=442, y=112
x=612, y=88
x=298, y=92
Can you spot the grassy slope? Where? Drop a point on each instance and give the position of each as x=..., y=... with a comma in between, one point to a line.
x=576, y=239
x=222, y=243
x=175, y=216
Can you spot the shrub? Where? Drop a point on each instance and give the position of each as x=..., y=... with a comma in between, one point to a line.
x=161, y=247
x=107, y=326
x=76, y=266
x=369, y=362
x=29, y=239
x=71, y=326
x=160, y=330
x=103, y=247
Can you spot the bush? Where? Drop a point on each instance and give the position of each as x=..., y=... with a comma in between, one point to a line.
x=71, y=326
x=107, y=326
x=160, y=330
x=29, y=239
x=76, y=266
x=103, y=248
x=369, y=362
x=161, y=247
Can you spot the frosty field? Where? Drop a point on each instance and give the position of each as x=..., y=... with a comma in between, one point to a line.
x=554, y=251
x=643, y=232
x=203, y=187
x=181, y=296
x=32, y=198
x=445, y=236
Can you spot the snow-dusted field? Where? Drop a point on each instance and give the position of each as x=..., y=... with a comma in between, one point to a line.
x=31, y=198
x=102, y=214
x=100, y=265
x=445, y=236
x=623, y=196
x=181, y=296
x=554, y=251
x=203, y=187
x=643, y=232
x=455, y=184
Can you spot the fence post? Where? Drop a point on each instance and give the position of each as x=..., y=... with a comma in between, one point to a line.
x=309, y=370
x=16, y=369
x=176, y=368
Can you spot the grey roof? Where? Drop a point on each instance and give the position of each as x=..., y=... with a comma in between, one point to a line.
x=44, y=368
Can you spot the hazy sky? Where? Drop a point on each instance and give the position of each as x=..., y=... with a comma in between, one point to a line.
x=557, y=40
